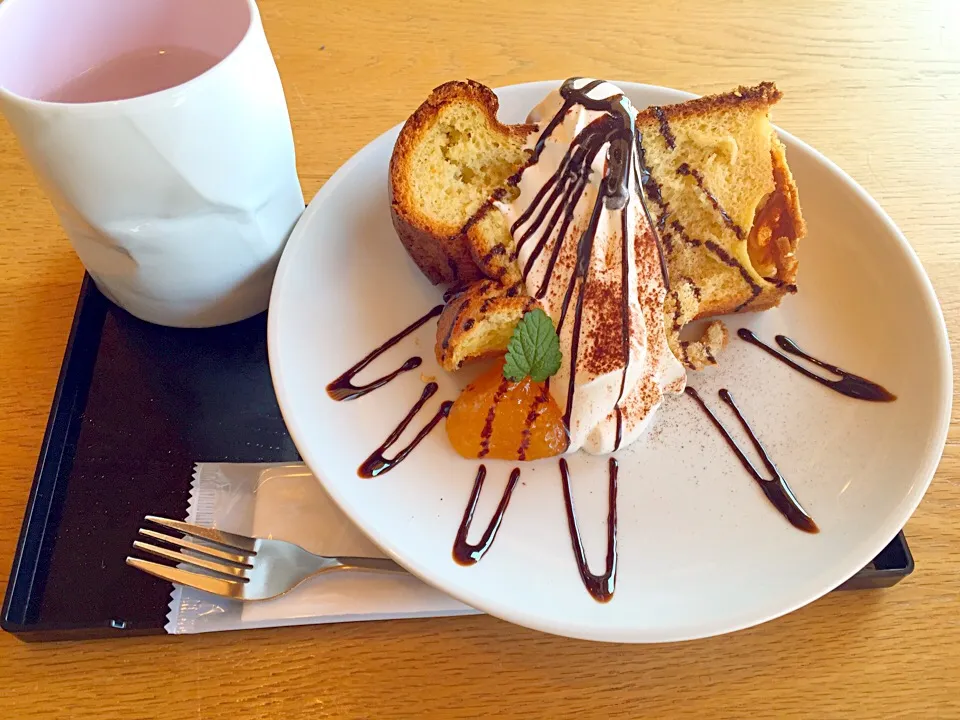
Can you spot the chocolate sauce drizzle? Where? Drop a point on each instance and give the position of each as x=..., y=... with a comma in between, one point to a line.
x=685, y=169
x=377, y=464
x=562, y=192
x=601, y=587
x=665, y=130
x=775, y=487
x=538, y=405
x=567, y=92
x=343, y=388
x=849, y=384
x=574, y=181
x=625, y=331
x=486, y=433
x=463, y=552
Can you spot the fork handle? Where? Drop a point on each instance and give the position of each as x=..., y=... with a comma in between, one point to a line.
x=365, y=563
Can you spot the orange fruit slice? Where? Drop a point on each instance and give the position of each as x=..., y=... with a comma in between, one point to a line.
x=501, y=419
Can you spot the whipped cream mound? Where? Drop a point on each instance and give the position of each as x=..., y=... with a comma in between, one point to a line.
x=589, y=254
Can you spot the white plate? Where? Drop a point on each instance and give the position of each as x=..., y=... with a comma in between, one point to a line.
x=701, y=550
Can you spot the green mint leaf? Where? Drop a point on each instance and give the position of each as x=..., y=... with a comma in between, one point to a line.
x=534, y=349
x=513, y=371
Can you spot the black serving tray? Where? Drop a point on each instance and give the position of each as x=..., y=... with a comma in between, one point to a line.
x=136, y=406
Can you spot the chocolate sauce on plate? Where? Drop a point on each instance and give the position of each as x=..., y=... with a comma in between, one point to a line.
x=774, y=487
x=465, y=553
x=343, y=388
x=377, y=464
x=601, y=587
x=849, y=384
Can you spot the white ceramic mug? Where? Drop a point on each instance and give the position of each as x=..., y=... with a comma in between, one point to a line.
x=160, y=132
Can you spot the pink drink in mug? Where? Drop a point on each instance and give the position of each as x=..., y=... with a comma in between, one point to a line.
x=160, y=132
x=138, y=72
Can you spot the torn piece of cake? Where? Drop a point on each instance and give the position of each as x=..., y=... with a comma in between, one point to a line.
x=450, y=157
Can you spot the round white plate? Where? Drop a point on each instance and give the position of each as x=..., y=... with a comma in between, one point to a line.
x=701, y=550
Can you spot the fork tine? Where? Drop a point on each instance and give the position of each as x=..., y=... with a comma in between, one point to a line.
x=231, y=540
x=189, y=559
x=197, y=547
x=217, y=586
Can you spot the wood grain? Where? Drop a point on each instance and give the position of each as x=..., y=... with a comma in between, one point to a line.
x=873, y=84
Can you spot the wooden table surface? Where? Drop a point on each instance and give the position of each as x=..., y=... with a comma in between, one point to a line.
x=874, y=84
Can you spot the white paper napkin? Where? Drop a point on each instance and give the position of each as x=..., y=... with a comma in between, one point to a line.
x=292, y=505
x=287, y=502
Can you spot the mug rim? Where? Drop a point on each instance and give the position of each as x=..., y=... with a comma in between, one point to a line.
x=252, y=23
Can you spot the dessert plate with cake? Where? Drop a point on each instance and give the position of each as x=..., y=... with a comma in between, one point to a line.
x=609, y=360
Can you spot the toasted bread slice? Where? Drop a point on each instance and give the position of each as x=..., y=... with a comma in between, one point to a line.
x=479, y=322
x=723, y=198
x=450, y=157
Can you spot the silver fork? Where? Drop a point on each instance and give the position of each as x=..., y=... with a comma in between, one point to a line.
x=237, y=566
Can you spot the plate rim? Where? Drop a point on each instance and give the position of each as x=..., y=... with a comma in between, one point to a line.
x=526, y=617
